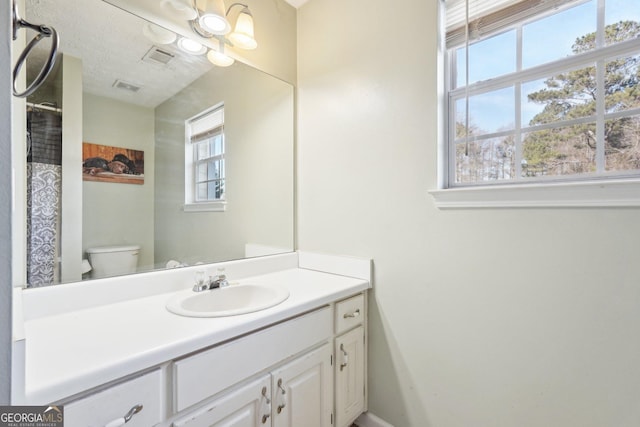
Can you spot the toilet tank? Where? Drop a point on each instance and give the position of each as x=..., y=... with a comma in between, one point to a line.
x=109, y=261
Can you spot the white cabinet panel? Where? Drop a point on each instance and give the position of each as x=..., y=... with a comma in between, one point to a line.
x=205, y=374
x=350, y=376
x=349, y=313
x=246, y=406
x=302, y=391
x=112, y=404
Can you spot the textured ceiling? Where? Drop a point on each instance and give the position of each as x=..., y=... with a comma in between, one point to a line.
x=111, y=45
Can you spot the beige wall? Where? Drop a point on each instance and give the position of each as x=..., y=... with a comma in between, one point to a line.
x=113, y=213
x=515, y=317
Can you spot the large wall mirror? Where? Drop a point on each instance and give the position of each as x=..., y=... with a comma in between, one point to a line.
x=111, y=151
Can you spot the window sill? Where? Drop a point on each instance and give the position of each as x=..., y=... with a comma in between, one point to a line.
x=593, y=194
x=205, y=207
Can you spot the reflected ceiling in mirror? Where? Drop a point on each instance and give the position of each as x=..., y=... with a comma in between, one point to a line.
x=115, y=51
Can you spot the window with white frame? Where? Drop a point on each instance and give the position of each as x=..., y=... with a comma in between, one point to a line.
x=204, y=160
x=540, y=91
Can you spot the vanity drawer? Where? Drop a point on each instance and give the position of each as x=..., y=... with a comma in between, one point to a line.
x=349, y=313
x=106, y=406
x=207, y=373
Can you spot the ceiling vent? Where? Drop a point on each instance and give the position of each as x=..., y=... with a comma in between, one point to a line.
x=155, y=55
x=121, y=84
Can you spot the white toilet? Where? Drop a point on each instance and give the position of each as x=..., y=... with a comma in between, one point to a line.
x=109, y=261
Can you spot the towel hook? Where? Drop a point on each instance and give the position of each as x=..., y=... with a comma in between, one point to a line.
x=43, y=31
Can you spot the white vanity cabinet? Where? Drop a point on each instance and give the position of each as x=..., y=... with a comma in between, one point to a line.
x=246, y=406
x=295, y=394
x=109, y=407
x=350, y=364
x=307, y=370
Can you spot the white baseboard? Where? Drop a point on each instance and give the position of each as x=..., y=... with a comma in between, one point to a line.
x=369, y=420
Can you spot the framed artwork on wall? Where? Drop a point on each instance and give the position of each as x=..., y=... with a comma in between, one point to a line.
x=112, y=164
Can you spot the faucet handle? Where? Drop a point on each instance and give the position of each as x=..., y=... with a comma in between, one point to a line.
x=223, y=280
x=202, y=284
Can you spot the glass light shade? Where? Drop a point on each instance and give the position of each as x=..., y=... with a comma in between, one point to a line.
x=158, y=34
x=242, y=36
x=212, y=19
x=219, y=58
x=182, y=9
x=191, y=46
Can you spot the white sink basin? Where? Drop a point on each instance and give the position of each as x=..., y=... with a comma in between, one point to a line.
x=228, y=301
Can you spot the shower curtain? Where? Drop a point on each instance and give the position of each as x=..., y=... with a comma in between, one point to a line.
x=44, y=187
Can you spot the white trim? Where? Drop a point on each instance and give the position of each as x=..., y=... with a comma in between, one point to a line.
x=595, y=194
x=217, y=206
x=369, y=420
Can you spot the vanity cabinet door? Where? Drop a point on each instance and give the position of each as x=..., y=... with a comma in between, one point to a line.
x=302, y=391
x=245, y=406
x=141, y=398
x=350, y=372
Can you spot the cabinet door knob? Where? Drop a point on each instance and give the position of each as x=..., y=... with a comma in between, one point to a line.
x=354, y=313
x=345, y=357
x=265, y=417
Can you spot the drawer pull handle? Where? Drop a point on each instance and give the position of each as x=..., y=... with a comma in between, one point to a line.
x=355, y=313
x=345, y=357
x=127, y=417
x=283, y=403
x=264, y=393
x=266, y=410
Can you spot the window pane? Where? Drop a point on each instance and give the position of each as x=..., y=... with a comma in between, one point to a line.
x=489, y=112
x=214, y=169
x=202, y=150
x=201, y=191
x=216, y=143
x=202, y=172
x=215, y=189
x=559, y=151
x=622, y=144
x=487, y=160
x=484, y=63
x=622, y=84
x=621, y=19
x=557, y=36
x=567, y=96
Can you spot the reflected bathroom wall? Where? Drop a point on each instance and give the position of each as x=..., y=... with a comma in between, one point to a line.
x=259, y=176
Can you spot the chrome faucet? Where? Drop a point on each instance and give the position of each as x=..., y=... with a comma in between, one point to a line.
x=214, y=282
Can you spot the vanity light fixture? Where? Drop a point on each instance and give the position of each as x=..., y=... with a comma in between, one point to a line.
x=219, y=58
x=242, y=35
x=191, y=46
x=212, y=21
x=208, y=20
x=179, y=8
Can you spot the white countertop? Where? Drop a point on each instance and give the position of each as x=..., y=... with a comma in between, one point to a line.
x=68, y=353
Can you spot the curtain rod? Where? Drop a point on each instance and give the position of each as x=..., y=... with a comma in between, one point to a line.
x=44, y=107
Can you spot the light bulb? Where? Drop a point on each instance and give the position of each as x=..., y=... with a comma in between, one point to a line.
x=219, y=58
x=242, y=36
x=191, y=46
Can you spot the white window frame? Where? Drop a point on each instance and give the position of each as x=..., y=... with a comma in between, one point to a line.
x=190, y=202
x=601, y=191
